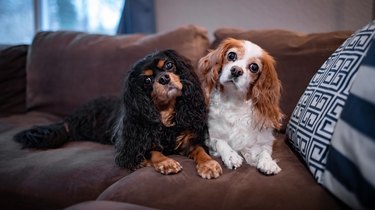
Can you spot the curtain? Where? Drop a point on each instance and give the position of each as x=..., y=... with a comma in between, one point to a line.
x=138, y=16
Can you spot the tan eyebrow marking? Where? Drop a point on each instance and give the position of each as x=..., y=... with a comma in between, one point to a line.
x=148, y=72
x=160, y=63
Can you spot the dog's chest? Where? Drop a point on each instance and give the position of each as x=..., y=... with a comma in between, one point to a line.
x=227, y=115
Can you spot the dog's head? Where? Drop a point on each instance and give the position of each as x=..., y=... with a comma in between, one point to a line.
x=159, y=85
x=244, y=70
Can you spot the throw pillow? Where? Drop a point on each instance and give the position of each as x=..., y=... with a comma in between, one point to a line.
x=314, y=118
x=350, y=166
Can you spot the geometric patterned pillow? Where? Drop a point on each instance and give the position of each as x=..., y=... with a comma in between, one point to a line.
x=314, y=118
x=350, y=166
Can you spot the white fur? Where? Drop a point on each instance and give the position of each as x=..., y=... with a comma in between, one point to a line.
x=232, y=127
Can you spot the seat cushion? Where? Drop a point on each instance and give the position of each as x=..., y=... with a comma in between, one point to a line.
x=243, y=188
x=55, y=178
x=107, y=205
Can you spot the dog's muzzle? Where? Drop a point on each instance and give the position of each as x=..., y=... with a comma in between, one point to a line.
x=164, y=79
x=236, y=71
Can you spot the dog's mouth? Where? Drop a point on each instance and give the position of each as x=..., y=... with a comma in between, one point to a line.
x=167, y=89
x=231, y=81
x=173, y=91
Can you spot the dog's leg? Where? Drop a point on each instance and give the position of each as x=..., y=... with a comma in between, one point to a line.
x=260, y=157
x=266, y=164
x=231, y=158
x=163, y=164
x=206, y=167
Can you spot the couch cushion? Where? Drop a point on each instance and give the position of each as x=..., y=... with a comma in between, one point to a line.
x=55, y=178
x=243, y=188
x=297, y=55
x=107, y=205
x=67, y=69
x=314, y=118
x=13, y=80
x=350, y=167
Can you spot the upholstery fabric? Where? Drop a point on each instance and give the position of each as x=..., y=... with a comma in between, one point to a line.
x=350, y=167
x=13, y=80
x=55, y=178
x=297, y=56
x=314, y=118
x=243, y=188
x=107, y=205
x=83, y=66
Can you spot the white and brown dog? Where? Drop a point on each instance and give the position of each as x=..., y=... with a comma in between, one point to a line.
x=243, y=93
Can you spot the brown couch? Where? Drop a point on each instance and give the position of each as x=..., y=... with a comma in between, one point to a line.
x=59, y=71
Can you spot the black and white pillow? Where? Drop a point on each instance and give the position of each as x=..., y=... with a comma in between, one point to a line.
x=313, y=121
x=350, y=165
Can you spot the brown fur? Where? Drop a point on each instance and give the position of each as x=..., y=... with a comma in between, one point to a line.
x=164, y=103
x=204, y=162
x=266, y=93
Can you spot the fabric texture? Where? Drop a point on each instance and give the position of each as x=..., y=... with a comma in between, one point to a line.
x=313, y=121
x=350, y=167
x=55, y=178
x=243, y=188
x=13, y=80
x=297, y=55
x=83, y=66
x=107, y=205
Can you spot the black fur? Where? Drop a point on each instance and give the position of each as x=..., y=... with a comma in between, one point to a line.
x=132, y=122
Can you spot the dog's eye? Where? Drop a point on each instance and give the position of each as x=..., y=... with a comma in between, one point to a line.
x=168, y=66
x=254, y=68
x=147, y=80
x=232, y=56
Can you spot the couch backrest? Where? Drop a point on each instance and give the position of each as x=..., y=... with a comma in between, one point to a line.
x=12, y=79
x=67, y=69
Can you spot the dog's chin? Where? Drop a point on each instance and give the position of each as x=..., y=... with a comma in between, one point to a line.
x=232, y=83
x=234, y=87
x=173, y=92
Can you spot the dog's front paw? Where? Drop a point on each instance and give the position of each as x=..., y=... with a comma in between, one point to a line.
x=232, y=160
x=268, y=167
x=168, y=166
x=209, y=169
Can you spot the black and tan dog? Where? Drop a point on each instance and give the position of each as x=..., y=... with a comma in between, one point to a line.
x=161, y=112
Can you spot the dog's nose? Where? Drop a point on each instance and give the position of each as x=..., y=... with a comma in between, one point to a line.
x=236, y=71
x=164, y=79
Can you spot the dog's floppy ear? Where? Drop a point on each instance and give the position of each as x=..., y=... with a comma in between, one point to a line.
x=136, y=103
x=210, y=66
x=266, y=94
x=132, y=131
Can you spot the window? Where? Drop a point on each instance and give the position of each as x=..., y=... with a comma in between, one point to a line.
x=16, y=21
x=20, y=19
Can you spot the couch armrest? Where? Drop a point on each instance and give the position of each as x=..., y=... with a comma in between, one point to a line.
x=13, y=80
